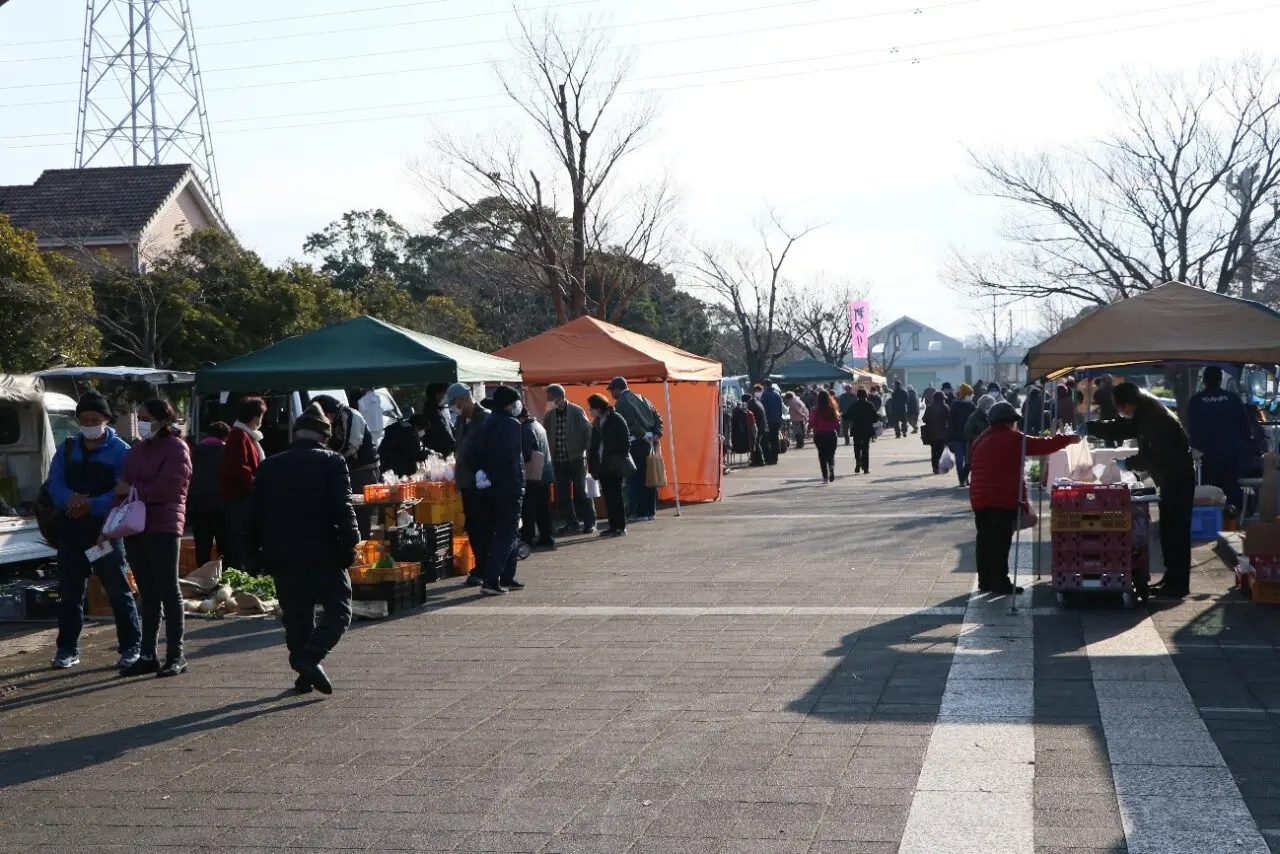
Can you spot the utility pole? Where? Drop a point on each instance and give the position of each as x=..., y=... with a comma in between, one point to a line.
x=141, y=95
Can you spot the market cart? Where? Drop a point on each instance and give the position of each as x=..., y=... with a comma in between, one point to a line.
x=1101, y=541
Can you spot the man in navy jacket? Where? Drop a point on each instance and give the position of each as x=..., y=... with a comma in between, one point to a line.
x=497, y=457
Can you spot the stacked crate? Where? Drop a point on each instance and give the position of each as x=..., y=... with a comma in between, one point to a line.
x=1093, y=541
x=396, y=585
x=438, y=561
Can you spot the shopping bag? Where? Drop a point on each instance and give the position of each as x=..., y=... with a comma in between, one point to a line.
x=1080, y=462
x=593, y=488
x=1028, y=518
x=946, y=462
x=655, y=470
x=127, y=519
x=533, y=468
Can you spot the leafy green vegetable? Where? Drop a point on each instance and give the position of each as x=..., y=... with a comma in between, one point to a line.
x=242, y=582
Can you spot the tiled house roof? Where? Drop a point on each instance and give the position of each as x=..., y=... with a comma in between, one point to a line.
x=98, y=202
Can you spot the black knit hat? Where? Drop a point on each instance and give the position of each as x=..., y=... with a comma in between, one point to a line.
x=314, y=420
x=504, y=396
x=91, y=401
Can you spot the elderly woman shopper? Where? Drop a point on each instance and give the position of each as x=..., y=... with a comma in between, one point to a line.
x=157, y=471
x=957, y=421
x=934, y=433
x=978, y=423
x=997, y=489
x=610, y=460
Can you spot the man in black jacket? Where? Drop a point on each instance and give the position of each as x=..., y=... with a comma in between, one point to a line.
x=401, y=449
x=496, y=455
x=845, y=403
x=438, y=435
x=303, y=530
x=1165, y=454
x=862, y=417
x=898, y=409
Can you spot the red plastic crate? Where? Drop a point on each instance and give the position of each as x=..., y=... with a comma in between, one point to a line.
x=1076, y=520
x=1092, y=541
x=1091, y=498
x=1265, y=567
x=1092, y=562
x=1116, y=582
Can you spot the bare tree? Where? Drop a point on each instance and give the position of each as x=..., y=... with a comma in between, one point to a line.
x=995, y=336
x=750, y=286
x=818, y=318
x=566, y=84
x=889, y=341
x=1186, y=191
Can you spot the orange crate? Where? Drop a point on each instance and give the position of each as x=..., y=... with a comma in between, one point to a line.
x=1266, y=592
x=433, y=491
x=99, y=605
x=404, y=492
x=377, y=492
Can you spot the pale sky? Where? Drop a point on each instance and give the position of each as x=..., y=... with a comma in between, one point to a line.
x=855, y=114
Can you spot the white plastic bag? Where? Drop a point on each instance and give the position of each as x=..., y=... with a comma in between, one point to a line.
x=946, y=462
x=593, y=488
x=1080, y=463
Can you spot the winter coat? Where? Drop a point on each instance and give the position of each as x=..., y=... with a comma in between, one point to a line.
x=845, y=403
x=913, y=404
x=1033, y=412
x=498, y=451
x=1104, y=397
x=899, y=401
x=439, y=433
x=822, y=422
x=863, y=417
x=300, y=513
x=401, y=449
x=610, y=444
x=577, y=426
x=739, y=430
x=640, y=414
x=205, y=495
x=935, y=423
x=533, y=437
x=772, y=403
x=1163, y=449
x=958, y=419
x=975, y=427
x=463, y=474
x=1065, y=409
x=77, y=470
x=1219, y=428
x=160, y=470
x=757, y=412
x=798, y=411
x=240, y=464
x=995, y=463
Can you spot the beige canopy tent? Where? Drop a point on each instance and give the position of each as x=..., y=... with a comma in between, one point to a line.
x=1171, y=323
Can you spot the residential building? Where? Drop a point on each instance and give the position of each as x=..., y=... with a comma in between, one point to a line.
x=919, y=355
x=133, y=213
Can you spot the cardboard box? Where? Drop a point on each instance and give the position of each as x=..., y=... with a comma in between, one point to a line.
x=1262, y=538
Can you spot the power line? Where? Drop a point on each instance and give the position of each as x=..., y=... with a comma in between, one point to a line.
x=896, y=60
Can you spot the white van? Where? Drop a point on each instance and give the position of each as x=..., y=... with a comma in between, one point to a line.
x=33, y=423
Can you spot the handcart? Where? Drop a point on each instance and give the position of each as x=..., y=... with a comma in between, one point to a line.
x=1101, y=538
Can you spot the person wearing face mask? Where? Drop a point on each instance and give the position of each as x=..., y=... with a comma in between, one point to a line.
x=240, y=464
x=535, y=525
x=204, y=501
x=496, y=455
x=569, y=433
x=82, y=481
x=470, y=418
x=353, y=440
x=402, y=445
x=439, y=434
x=610, y=461
x=645, y=425
x=158, y=469
x=1165, y=454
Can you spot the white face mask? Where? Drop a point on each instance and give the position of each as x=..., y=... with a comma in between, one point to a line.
x=595, y=413
x=145, y=430
x=517, y=408
x=455, y=412
x=94, y=433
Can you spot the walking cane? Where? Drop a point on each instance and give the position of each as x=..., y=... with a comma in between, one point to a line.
x=1017, y=536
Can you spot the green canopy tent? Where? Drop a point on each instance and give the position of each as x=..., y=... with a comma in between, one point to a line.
x=363, y=352
x=809, y=371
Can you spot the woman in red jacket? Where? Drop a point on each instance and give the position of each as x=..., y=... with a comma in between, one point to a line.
x=996, y=487
x=824, y=418
x=239, y=467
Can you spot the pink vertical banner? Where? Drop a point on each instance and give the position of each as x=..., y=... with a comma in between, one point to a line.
x=860, y=317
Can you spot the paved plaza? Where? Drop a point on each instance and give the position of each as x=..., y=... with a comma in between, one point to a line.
x=799, y=669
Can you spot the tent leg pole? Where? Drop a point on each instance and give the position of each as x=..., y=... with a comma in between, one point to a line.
x=1017, y=536
x=671, y=443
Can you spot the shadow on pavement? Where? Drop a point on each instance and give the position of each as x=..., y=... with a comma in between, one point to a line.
x=21, y=765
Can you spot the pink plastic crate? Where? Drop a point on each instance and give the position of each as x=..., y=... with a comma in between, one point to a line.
x=1092, y=541
x=1090, y=498
x=1111, y=582
x=1141, y=523
x=1265, y=567
x=1092, y=562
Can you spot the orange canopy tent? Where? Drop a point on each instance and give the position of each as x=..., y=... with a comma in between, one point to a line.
x=585, y=354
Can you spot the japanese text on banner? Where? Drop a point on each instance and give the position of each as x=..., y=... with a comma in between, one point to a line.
x=860, y=316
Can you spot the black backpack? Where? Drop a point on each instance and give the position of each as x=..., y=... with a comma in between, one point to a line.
x=49, y=518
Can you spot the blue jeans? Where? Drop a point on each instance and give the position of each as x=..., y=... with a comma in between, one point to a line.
x=73, y=584
x=960, y=450
x=643, y=500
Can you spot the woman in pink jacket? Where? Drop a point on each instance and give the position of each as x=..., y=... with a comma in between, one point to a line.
x=159, y=469
x=825, y=421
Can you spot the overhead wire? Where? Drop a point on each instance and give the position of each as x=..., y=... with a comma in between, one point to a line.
x=895, y=60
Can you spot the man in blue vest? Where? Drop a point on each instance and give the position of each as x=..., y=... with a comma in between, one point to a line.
x=1219, y=430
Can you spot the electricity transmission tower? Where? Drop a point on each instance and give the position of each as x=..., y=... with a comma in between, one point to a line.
x=142, y=97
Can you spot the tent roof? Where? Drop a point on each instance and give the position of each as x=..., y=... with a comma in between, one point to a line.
x=1174, y=322
x=587, y=350
x=868, y=376
x=155, y=376
x=360, y=352
x=810, y=371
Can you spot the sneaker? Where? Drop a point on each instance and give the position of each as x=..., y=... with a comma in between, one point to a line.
x=570, y=530
x=126, y=660
x=141, y=667
x=621, y=533
x=173, y=667
x=474, y=580
x=302, y=685
x=606, y=532
x=65, y=660
x=488, y=589
x=512, y=585
x=590, y=529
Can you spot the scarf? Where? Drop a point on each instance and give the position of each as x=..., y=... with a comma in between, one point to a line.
x=256, y=436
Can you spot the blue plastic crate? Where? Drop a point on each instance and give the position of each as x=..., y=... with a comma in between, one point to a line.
x=1206, y=522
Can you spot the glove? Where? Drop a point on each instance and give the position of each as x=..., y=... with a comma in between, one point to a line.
x=648, y=437
x=482, y=480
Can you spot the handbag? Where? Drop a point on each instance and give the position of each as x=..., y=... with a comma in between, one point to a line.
x=533, y=468
x=655, y=470
x=127, y=519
